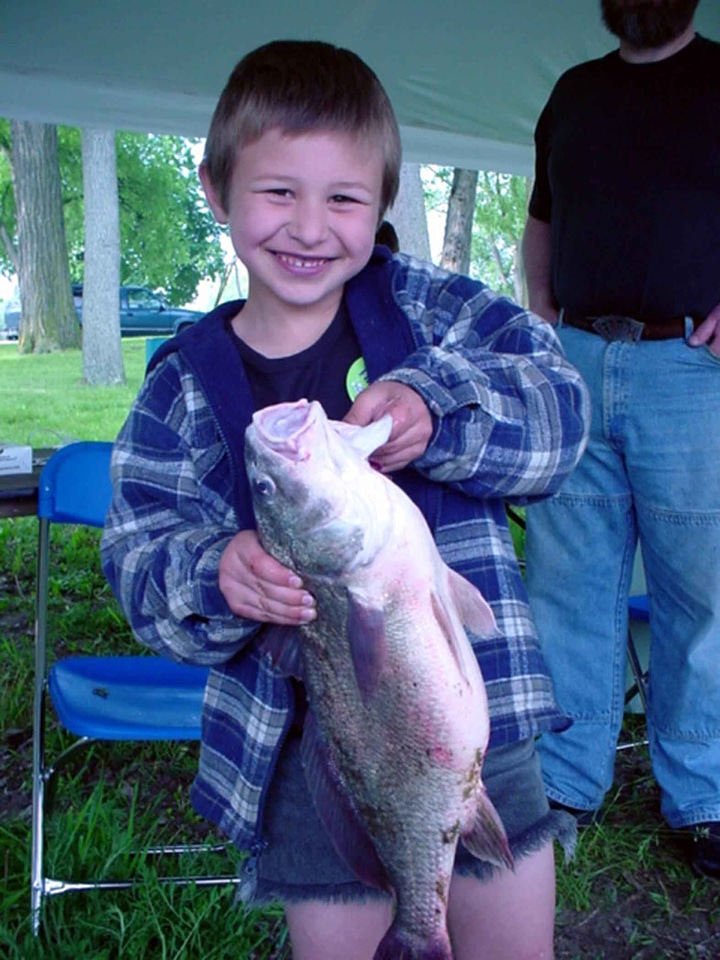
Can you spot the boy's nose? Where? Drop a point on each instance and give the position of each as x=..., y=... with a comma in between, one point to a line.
x=308, y=223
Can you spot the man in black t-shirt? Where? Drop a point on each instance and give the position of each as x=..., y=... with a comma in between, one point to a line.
x=622, y=251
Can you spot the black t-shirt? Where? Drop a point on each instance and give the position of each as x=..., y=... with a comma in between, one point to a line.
x=318, y=373
x=331, y=370
x=628, y=176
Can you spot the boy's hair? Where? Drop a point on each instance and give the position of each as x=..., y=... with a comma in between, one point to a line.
x=301, y=86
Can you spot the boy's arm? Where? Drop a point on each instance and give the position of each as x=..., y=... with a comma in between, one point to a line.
x=167, y=529
x=510, y=413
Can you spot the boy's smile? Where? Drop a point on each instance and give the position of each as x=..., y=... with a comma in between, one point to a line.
x=303, y=211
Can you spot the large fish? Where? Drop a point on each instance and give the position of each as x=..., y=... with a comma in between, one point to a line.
x=398, y=724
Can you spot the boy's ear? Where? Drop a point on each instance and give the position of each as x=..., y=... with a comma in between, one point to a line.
x=211, y=195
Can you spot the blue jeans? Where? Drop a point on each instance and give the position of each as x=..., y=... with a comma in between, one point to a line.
x=651, y=471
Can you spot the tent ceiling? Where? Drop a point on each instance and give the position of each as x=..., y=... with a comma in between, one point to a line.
x=467, y=78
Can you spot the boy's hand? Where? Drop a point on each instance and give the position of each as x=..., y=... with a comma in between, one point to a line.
x=412, y=423
x=258, y=587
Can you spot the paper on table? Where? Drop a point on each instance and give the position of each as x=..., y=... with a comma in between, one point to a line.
x=15, y=459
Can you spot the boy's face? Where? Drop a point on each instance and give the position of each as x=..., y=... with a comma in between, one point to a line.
x=302, y=211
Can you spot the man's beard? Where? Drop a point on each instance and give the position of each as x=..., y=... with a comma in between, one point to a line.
x=647, y=23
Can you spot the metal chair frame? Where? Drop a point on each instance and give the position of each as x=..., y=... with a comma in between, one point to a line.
x=98, y=698
x=637, y=610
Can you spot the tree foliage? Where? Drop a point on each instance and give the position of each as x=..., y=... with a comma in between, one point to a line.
x=500, y=212
x=498, y=223
x=8, y=249
x=169, y=239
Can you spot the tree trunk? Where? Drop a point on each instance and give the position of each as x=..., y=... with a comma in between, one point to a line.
x=408, y=214
x=459, y=223
x=102, y=347
x=519, y=278
x=49, y=321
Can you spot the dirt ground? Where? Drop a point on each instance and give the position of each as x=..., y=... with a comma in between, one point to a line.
x=651, y=908
x=635, y=926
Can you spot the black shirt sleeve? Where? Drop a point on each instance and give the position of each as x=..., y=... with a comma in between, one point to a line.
x=540, y=205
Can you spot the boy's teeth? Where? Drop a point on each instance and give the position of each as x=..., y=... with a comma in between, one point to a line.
x=299, y=261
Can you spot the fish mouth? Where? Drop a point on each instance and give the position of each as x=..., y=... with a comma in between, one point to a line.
x=283, y=427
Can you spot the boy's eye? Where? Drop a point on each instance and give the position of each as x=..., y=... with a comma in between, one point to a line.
x=343, y=198
x=279, y=191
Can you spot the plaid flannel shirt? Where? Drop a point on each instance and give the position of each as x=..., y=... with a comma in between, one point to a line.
x=510, y=418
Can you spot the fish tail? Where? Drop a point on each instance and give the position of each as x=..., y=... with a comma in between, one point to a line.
x=400, y=944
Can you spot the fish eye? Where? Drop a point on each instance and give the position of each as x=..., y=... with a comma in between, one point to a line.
x=264, y=487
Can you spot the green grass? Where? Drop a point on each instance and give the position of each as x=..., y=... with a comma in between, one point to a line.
x=44, y=402
x=114, y=800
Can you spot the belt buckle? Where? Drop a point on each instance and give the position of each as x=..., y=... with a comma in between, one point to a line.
x=614, y=326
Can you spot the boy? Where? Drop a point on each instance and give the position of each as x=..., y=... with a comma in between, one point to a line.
x=302, y=161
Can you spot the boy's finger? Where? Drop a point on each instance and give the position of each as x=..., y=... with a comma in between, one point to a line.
x=368, y=407
x=267, y=568
x=268, y=603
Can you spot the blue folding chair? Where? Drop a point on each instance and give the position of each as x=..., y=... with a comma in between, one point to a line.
x=129, y=698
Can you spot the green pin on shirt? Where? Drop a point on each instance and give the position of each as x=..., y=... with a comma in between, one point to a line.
x=356, y=379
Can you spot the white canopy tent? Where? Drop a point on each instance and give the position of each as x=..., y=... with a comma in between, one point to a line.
x=467, y=79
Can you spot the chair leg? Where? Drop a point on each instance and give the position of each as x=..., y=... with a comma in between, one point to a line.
x=640, y=685
x=42, y=886
x=37, y=877
x=638, y=688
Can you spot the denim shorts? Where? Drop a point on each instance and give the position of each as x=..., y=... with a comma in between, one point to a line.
x=300, y=861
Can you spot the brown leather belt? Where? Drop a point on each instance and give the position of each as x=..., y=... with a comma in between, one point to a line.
x=629, y=329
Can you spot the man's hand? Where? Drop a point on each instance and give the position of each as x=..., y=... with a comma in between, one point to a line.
x=412, y=423
x=258, y=587
x=708, y=332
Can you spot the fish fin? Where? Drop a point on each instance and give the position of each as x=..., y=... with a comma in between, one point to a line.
x=282, y=645
x=366, y=440
x=368, y=645
x=486, y=839
x=454, y=642
x=402, y=944
x=337, y=811
x=475, y=611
